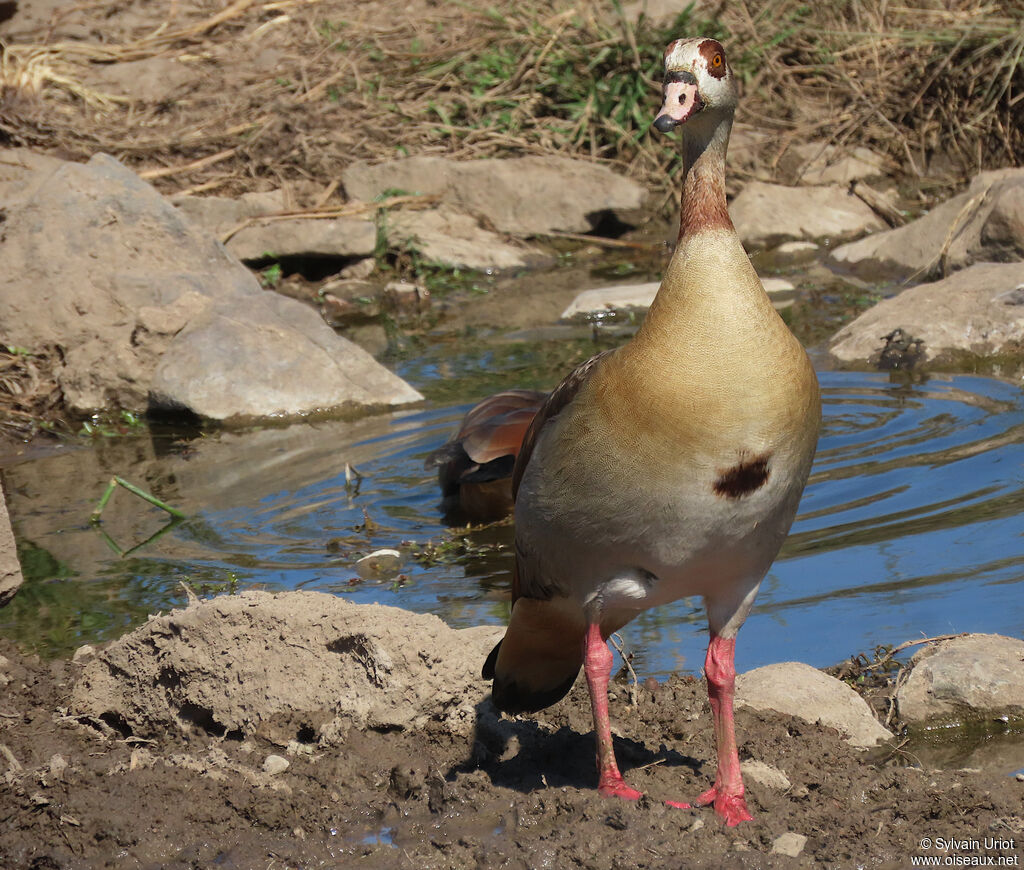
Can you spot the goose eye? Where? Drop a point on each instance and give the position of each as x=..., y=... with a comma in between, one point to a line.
x=716, y=61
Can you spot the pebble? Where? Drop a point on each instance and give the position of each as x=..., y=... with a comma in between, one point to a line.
x=83, y=653
x=380, y=563
x=765, y=774
x=58, y=765
x=789, y=844
x=275, y=764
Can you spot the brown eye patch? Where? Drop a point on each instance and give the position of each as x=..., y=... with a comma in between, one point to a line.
x=713, y=53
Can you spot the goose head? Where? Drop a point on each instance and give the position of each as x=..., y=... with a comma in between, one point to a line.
x=698, y=82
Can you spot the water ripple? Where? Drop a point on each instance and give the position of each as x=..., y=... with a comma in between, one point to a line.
x=911, y=525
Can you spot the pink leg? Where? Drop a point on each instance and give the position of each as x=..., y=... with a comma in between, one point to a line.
x=597, y=665
x=727, y=792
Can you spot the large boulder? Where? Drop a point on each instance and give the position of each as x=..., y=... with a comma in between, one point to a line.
x=287, y=666
x=766, y=215
x=972, y=676
x=152, y=313
x=796, y=689
x=977, y=311
x=523, y=195
x=983, y=224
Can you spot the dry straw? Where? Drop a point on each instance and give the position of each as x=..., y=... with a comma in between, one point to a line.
x=935, y=85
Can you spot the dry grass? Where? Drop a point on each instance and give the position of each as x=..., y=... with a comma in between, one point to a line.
x=934, y=84
x=29, y=393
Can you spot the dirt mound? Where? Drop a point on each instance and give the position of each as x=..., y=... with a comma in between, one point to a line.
x=295, y=666
x=514, y=793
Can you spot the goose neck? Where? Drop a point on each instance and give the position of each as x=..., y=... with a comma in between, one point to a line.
x=703, y=204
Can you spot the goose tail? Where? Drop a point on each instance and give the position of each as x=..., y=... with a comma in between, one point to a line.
x=537, y=661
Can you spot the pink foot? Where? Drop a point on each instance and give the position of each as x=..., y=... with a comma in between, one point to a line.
x=678, y=805
x=731, y=807
x=611, y=786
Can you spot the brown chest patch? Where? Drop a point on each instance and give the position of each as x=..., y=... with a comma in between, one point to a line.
x=743, y=478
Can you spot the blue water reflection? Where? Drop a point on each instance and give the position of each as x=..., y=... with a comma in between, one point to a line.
x=911, y=525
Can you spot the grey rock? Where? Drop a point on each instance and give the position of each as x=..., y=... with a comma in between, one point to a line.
x=280, y=359
x=603, y=300
x=338, y=237
x=359, y=270
x=83, y=653
x=249, y=238
x=795, y=252
x=454, y=239
x=789, y=844
x=219, y=215
x=972, y=311
x=766, y=215
x=820, y=163
x=101, y=265
x=10, y=569
x=275, y=764
x=379, y=563
x=976, y=675
x=523, y=195
x=21, y=172
x=983, y=224
x=799, y=690
x=765, y=774
x=624, y=297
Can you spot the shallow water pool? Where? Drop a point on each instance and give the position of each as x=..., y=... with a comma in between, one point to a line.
x=911, y=526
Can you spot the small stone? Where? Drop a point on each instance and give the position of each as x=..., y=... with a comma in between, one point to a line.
x=83, y=653
x=337, y=312
x=379, y=564
x=775, y=286
x=765, y=774
x=57, y=766
x=275, y=764
x=796, y=249
x=603, y=301
x=696, y=826
x=406, y=298
x=800, y=791
x=360, y=269
x=789, y=844
x=1019, y=777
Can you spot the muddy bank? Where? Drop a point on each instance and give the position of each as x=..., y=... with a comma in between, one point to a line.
x=424, y=789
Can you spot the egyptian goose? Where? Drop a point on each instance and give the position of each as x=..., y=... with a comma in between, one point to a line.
x=669, y=467
x=475, y=465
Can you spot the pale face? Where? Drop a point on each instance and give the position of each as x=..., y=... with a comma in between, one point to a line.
x=697, y=78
